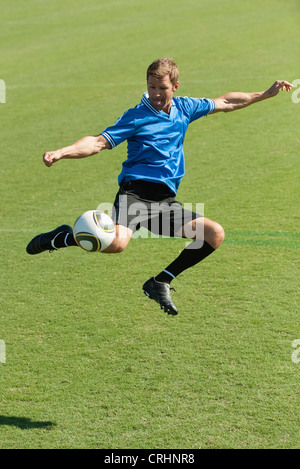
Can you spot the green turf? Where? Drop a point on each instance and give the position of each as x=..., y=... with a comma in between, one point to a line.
x=90, y=361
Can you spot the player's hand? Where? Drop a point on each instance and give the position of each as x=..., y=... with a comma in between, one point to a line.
x=279, y=85
x=51, y=157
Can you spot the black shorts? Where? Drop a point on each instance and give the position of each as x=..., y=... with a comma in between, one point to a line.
x=152, y=206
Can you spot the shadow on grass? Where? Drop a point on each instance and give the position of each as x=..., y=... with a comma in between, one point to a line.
x=24, y=423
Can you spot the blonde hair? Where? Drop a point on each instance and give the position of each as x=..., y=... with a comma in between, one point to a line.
x=163, y=67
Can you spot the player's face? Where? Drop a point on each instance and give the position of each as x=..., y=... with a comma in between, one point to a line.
x=161, y=91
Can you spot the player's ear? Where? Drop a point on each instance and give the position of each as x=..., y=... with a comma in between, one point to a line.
x=176, y=86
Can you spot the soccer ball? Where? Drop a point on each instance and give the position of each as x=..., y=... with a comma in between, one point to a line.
x=94, y=231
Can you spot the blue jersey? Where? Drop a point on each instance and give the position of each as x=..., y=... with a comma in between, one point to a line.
x=155, y=139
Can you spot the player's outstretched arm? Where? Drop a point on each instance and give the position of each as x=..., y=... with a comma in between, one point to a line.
x=83, y=148
x=234, y=101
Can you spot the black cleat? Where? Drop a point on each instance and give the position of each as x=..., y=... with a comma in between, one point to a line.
x=160, y=292
x=45, y=241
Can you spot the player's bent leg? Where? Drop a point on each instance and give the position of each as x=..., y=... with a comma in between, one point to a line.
x=121, y=240
x=207, y=237
x=204, y=229
x=214, y=233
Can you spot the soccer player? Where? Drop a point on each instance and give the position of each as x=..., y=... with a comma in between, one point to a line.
x=155, y=130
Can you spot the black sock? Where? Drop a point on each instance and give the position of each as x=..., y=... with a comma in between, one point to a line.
x=191, y=255
x=64, y=240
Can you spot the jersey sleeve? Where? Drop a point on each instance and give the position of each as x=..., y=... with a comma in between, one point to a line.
x=198, y=107
x=122, y=129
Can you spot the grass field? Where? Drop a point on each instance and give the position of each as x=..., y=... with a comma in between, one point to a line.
x=90, y=362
